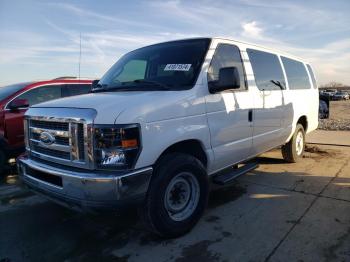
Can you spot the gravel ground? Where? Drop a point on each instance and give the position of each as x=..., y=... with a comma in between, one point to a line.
x=339, y=117
x=334, y=124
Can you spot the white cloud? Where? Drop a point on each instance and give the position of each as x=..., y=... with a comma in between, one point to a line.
x=97, y=17
x=180, y=11
x=252, y=30
x=294, y=27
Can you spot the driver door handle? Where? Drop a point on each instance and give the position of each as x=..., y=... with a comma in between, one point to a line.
x=250, y=115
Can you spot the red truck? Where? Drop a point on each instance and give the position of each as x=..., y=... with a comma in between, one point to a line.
x=15, y=100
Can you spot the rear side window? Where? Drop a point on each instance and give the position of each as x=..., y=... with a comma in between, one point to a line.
x=226, y=56
x=312, y=76
x=42, y=94
x=267, y=70
x=75, y=89
x=296, y=74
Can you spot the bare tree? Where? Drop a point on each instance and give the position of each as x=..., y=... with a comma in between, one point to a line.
x=332, y=84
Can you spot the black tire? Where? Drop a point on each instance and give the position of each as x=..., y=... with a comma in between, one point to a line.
x=156, y=216
x=289, y=150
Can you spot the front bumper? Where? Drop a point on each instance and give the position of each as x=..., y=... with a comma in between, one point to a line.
x=82, y=189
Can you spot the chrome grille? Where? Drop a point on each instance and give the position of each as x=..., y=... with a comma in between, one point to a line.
x=49, y=125
x=60, y=135
x=81, y=141
x=62, y=140
x=67, y=141
x=51, y=152
x=58, y=139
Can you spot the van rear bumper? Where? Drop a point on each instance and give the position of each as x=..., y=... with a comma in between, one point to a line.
x=85, y=190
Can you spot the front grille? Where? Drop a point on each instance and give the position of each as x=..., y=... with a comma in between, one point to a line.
x=81, y=141
x=62, y=140
x=57, y=141
x=61, y=126
x=51, y=152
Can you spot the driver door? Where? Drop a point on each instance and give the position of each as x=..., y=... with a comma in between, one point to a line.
x=229, y=112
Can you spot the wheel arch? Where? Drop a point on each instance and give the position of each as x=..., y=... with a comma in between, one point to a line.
x=192, y=147
x=303, y=121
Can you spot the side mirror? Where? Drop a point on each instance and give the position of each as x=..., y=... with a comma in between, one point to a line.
x=94, y=84
x=18, y=103
x=228, y=79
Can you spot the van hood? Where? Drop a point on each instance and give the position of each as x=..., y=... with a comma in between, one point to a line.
x=134, y=106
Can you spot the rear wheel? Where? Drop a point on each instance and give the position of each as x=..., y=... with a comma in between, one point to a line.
x=177, y=195
x=294, y=149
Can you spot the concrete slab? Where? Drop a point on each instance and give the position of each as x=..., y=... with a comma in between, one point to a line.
x=322, y=235
x=243, y=230
x=269, y=212
x=238, y=219
x=329, y=137
x=339, y=188
x=310, y=175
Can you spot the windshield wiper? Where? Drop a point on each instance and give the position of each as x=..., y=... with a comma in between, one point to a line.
x=116, y=88
x=131, y=86
x=149, y=82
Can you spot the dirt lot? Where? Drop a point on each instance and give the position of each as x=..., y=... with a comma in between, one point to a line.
x=339, y=118
x=279, y=212
x=340, y=109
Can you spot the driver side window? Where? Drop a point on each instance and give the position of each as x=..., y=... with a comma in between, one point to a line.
x=226, y=55
x=133, y=70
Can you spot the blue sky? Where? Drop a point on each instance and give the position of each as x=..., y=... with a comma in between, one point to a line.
x=40, y=39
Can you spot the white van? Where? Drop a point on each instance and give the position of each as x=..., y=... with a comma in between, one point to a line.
x=163, y=121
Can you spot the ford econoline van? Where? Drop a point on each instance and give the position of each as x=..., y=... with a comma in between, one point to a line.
x=163, y=122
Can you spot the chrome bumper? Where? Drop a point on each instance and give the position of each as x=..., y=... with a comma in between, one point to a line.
x=85, y=190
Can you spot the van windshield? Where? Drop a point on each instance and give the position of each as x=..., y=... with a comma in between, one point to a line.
x=6, y=91
x=167, y=66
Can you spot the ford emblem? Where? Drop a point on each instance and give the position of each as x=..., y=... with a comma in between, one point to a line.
x=47, y=138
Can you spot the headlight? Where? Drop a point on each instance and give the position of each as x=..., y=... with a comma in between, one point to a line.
x=116, y=146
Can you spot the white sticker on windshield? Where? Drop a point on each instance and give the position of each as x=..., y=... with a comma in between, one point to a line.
x=177, y=67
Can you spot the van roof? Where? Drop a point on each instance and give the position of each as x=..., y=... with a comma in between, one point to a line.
x=256, y=45
x=273, y=50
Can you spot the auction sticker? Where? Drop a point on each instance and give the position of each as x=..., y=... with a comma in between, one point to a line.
x=177, y=67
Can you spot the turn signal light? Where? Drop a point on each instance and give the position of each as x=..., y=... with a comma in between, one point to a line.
x=129, y=143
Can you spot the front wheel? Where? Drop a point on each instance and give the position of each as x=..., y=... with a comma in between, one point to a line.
x=294, y=149
x=177, y=195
